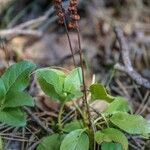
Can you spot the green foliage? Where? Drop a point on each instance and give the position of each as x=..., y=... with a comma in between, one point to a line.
x=12, y=83
x=132, y=124
x=116, y=115
x=64, y=87
x=13, y=116
x=111, y=135
x=18, y=99
x=74, y=125
x=58, y=85
x=51, y=82
x=1, y=144
x=111, y=146
x=16, y=77
x=51, y=142
x=119, y=104
x=72, y=84
x=98, y=91
x=75, y=140
x=2, y=90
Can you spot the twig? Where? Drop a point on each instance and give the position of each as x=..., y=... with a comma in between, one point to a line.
x=32, y=147
x=36, y=20
x=127, y=67
x=31, y=22
x=12, y=136
x=19, y=29
x=15, y=32
x=38, y=121
x=146, y=103
x=23, y=135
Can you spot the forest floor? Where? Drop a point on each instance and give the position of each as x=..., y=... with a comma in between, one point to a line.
x=29, y=30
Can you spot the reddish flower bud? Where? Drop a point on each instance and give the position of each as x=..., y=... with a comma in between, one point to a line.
x=59, y=11
x=60, y=14
x=72, y=8
x=60, y=21
x=71, y=25
x=75, y=17
x=73, y=3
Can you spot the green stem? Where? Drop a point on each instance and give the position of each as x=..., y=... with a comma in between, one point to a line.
x=91, y=137
x=60, y=115
x=78, y=108
x=103, y=116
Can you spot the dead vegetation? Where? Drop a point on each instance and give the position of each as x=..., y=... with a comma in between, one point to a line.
x=29, y=31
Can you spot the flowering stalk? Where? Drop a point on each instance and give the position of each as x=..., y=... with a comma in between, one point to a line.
x=59, y=11
x=73, y=24
x=62, y=20
x=74, y=16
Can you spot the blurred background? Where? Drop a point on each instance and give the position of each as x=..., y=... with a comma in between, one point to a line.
x=29, y=30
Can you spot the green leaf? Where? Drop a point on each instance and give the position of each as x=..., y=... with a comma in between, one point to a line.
x=133, y=124
x=18, y=99
x=1, y=144
x=51, y=142
x=59, y=86
x=74, y=125
x=51, y=82
x=12, y=83
x=111, y=146
x=73, y=82
x=2, y=90
x=111, y=135
x=48, y=89
x=119, y=104
x=98, y=91
x=16, y=77
x=13, y=116
x=75, y=140
x=52, y=77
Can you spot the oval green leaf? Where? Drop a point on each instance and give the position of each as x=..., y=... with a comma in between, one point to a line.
x=17, y=99
x=13, y=116
x=72, y=84
x=111, y=135
x=133, y=124
x=16, y=77
x=119, y=104
x=75, y=140
x=111, y=146
x=2, y=90
x=98, y=91
x=51, y=142
x=74, y=125
x=51, y=82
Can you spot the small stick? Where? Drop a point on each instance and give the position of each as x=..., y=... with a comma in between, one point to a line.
x=127, y=67
x=16, y=32
x=38, y=121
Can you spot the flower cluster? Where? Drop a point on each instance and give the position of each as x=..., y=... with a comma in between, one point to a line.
x=74, y=16
x=59, y=11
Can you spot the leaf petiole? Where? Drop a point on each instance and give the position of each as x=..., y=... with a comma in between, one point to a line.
x=60, y=115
